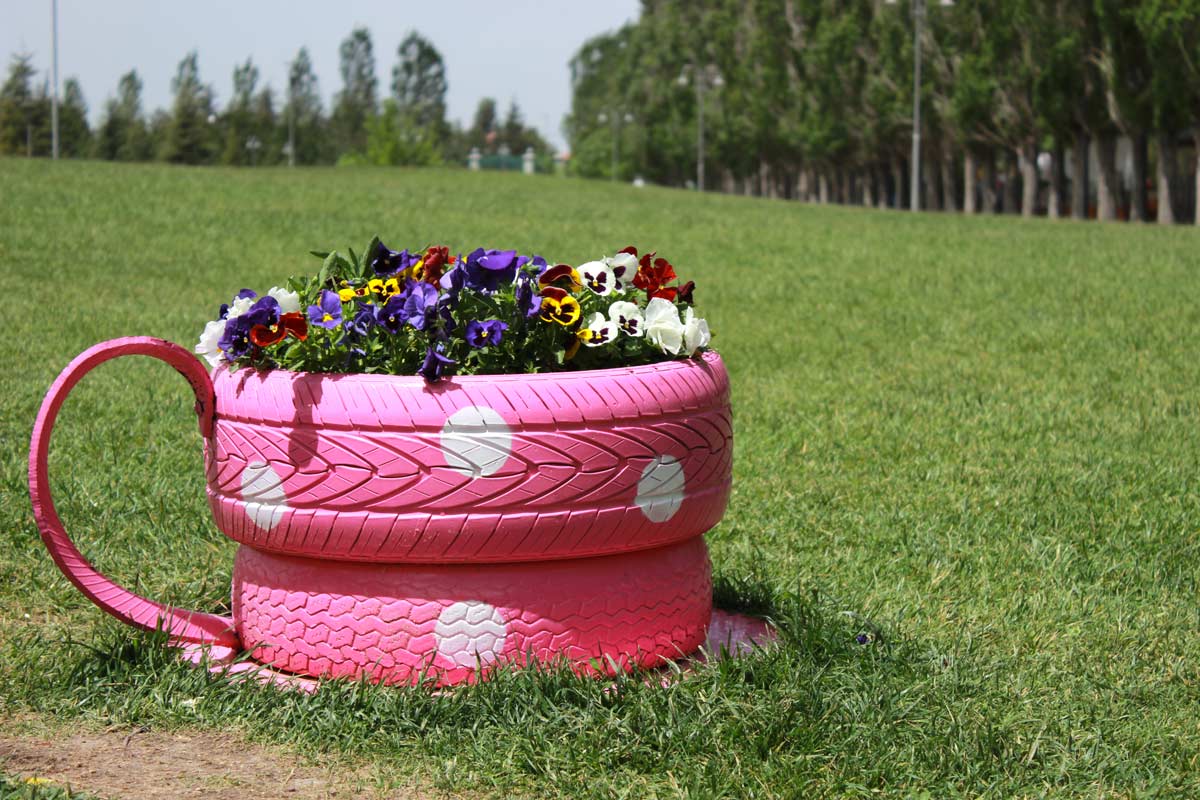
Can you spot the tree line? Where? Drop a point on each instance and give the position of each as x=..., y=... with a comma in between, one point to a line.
x=1024, y=102
x=404, y=124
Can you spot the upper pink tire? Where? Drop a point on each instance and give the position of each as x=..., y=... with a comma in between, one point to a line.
x=496, y=468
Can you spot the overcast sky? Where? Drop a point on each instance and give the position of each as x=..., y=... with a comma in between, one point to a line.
x=516, y=50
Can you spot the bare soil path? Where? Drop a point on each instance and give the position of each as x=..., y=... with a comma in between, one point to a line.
x=157, y=765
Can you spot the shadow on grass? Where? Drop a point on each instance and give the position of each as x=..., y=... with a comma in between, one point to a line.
x=782, y=711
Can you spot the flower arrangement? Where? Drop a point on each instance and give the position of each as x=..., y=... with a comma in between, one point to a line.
x=433, y=313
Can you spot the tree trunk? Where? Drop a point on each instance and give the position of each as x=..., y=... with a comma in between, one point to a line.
x=1027, y=163
x=929, y=180
x=803, y=190
x=823, y=187
x=868, y=184
x=1058, y=182
x=969, y=205
x=728, y=184
x=845, y=187
x=1106, y=181
x=989, y=182
x=1166, y=177
x=1079, y=175
x=1009, y=198
x=1137, y=206
x=898, y=188
x=949, y=190
x=1196, y=174
x=879, y=175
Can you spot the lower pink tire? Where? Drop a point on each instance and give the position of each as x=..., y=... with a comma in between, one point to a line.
x=393, y=623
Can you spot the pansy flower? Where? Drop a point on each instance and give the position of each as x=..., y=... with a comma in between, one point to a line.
x=454, y=281
x=387, y=262
x=485, y=333
x=487, y=270
x=695, y=332
x=628, y=317
x=563, y=276
x=241, y=304
x=559, y=306
x=235, y=340
x=624, y=264
x=209, y=345
x=528, y=301
x=289, y=302
x=597, y=331
x=420, y=304
x=430, y=268
x=291, y=324
x=434, y=364
x=663, y=327
x=390, y=315
x=360, y=324
x=653, y=275
x=327, y=313
x=685, y=292
x=599, y=277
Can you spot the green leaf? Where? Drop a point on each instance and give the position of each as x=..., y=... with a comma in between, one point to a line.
x=321, y=254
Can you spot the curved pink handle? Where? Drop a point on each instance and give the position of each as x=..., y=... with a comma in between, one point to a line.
x=191, y=626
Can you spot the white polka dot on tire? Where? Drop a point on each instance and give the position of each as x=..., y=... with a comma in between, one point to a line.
x=262, y=491
x=476, y=441
x=660, y=490
x=470, y=632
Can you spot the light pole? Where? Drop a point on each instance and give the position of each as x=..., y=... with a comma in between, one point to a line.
x=291, y=142
x=54, y=101
x=914, y=189
x=708, y=77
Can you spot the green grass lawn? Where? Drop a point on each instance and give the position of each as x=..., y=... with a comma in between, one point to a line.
x=976, y=439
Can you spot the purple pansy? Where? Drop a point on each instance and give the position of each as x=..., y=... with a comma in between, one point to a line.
x=235, y=341
x=328, y=312
x=529, y=302
x=454, y=280
x=434, y=364
x=390, y=316
x=362, y=321
x=420, y=305
x=243, y=294
x=487, y=270
x=485, y=333
x=387, y=262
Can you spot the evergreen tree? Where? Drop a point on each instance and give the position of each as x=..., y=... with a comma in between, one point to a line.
x=18, y=109
x=303, y=113
x=356, y=103
x=190, y=137
x=419, y=85
x=122, y=134
x=241, y=143
x=74, y=134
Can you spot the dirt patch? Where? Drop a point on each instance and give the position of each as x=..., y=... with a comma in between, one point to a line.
x=158, y=765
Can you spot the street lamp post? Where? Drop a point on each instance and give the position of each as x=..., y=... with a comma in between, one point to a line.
x=914, y=189
x=54, y=102
x=708, y=77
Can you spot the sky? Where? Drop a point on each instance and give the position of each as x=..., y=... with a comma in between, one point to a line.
x=518, y=50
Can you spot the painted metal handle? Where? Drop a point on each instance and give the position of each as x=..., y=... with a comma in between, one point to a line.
x=189, y=626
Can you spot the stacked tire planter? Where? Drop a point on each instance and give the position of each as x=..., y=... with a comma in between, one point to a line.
x=395, y=529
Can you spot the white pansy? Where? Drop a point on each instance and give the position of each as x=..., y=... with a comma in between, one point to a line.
x=624, y=267
x=239, y=306
x=628, y=317
x=663, y=326
x=597, y=331
x=695, y=333
x=289, y=302
x=598, y=277
x=208, y=346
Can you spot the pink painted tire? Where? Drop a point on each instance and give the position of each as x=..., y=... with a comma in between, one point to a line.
x=393, y=623
x=482, y=469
